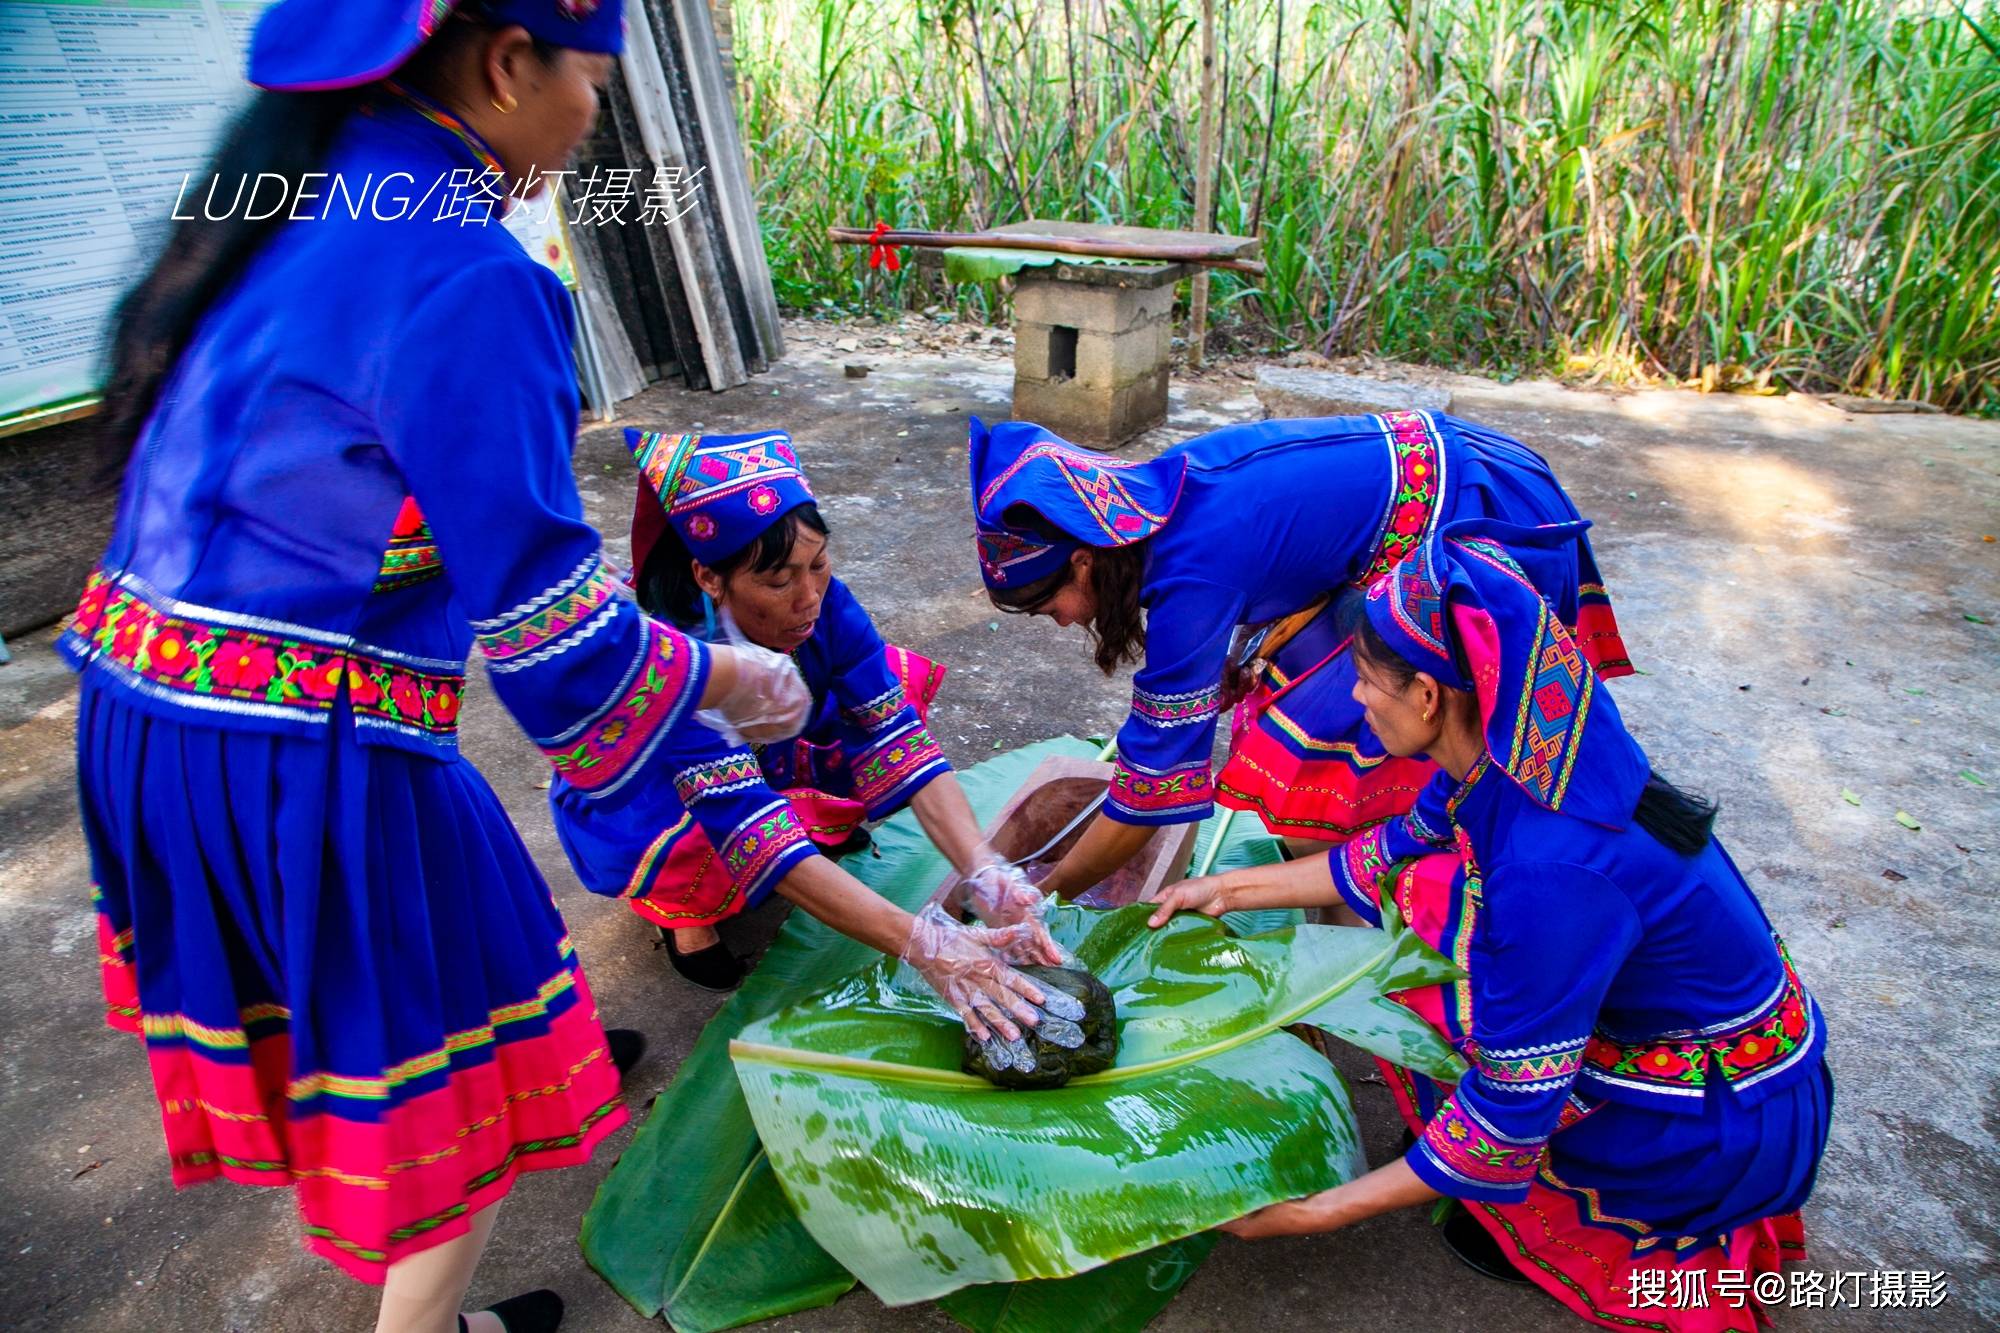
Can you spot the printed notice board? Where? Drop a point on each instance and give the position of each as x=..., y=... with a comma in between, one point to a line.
x=106, y=107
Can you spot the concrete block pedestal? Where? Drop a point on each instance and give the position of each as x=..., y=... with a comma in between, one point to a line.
x=1090, y=349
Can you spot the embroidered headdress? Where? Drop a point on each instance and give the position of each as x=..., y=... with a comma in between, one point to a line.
x=1464, y=609
x=312, y=45
x=719, y=491
x=1094, y=499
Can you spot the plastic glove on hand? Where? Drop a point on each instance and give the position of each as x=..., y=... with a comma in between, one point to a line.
x=1001, y=895
x=968, y=968
x=997, y=892
x=769, y=699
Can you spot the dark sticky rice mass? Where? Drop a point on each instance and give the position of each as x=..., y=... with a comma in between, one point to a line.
x=1055, y=1066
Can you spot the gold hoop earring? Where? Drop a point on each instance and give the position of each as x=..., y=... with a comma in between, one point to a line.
x=508, y=109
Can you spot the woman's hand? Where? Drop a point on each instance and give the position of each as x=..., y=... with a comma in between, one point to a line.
x=1293, y=1217
x=968, y=967
x=1208, y=895
x=761, y=696
x=1389, y=1186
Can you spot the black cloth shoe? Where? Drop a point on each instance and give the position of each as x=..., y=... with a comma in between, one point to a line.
x=628, y=1047
x=713, y=968
x=538, y=1311
x=857, y=841
x=1476, y=1249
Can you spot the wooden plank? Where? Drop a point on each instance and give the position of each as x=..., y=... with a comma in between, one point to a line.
x=651, y=250
x=631, y=277
x=1237, y=247
x=666, y=151
x=702, y=213
x=618, y=361
x=712, y=81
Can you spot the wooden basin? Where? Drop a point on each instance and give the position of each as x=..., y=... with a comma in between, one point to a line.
x=1053, y=795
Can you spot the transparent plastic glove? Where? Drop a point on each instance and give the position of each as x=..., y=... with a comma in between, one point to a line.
x=769, y=700
x=968, y=968
x=997, y=891
x=1000, y=893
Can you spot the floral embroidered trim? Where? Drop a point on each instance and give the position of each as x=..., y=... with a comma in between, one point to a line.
x=412, y=555
x=1529, y=1069
x=1417, y=462
x=1183, y=792
x=1359, y=866
x=760, y=843
x=1743, y=1056
x=597, y=757
x=878, y=712
x=1177, y=710
x=883, y=773
x=172, y=654
x=1467, y=1149
x=731, y=773
x=578, y=599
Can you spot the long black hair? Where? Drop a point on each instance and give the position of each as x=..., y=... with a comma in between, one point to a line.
x=1679, y=820
x=283, y=134
x=1117, y=578
x=280, y=134
x=666, y=585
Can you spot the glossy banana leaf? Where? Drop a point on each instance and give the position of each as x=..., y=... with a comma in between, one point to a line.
x=921, y=1180
x=1121, y=1297
x=691, y=1223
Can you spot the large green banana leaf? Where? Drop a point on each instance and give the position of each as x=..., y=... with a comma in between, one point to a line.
x=920, y=1179
x=691, y=1223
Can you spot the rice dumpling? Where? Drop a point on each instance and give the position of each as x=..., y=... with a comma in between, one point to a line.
x=1054, y=1065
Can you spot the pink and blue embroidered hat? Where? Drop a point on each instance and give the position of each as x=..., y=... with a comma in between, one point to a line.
x=720, y=491
x=1463, y=608
x=315, y=45
x=1092, y=498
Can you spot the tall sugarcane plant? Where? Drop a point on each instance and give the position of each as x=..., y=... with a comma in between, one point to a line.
x=860, y=1151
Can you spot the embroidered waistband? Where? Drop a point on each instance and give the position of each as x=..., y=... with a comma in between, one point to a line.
x=1742, y=1054
x=221, y=662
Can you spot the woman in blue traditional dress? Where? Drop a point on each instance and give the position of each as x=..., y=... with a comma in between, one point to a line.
x=1646, y=1099
x=739, y=550
x=1235, y=550
x=346, y=449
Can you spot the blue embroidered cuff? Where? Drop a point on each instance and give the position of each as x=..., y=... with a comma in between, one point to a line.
x=896, y=767
x=1464, y=1157
x=1180, y=795
x=1358, y=865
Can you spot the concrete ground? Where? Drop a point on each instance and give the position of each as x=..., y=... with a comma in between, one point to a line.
x=1799, y=587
